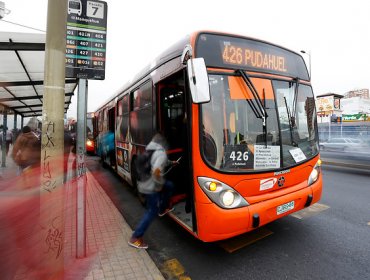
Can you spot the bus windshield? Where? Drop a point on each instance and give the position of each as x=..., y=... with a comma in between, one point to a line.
x=233, y=136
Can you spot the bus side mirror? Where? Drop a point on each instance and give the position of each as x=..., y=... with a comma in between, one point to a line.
x=198, y=80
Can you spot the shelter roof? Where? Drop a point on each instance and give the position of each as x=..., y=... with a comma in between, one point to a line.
x=22, y=57
x=330, y=94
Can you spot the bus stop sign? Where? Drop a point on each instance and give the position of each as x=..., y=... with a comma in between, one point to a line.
x=86, y=39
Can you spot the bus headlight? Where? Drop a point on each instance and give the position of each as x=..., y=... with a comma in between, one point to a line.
x=89, y=143
x=315, y=173
x=221, y=194
x=228, y=198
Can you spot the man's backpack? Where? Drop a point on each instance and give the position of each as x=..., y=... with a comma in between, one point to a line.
x=143, y=165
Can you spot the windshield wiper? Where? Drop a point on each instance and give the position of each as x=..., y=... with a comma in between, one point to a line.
x=294, y=106
x=290, y=122
x=259, y=108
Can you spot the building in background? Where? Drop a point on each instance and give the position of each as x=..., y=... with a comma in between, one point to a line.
x=345, y=115
x=328, y=107
x=362, y=93
x=356, y=106
x=352, y=106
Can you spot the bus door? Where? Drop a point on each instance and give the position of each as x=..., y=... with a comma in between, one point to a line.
x=111, y=138
x=172, y=122
x=107, y=146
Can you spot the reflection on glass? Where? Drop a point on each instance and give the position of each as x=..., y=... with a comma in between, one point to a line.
x=232, y=133
x=297, y=120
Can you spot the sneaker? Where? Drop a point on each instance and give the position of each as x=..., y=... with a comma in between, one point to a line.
x=137, y=243
x=166, y=211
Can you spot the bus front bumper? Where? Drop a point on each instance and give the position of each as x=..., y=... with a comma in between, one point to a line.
x=215, y=223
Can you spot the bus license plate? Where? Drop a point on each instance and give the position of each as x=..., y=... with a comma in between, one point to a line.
x=285, y=207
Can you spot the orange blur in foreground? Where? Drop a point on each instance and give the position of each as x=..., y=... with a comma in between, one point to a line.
x=24, y=242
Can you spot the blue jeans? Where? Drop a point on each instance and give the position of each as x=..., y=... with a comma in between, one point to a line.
x=155, y=203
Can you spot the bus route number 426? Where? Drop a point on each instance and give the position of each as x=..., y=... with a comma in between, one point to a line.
x=285, y=207
x=239, y=156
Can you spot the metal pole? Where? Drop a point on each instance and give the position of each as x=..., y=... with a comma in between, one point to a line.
x=81, y=168
x=15, y=121
x=52, y=149
x=3, y=145
x=309, y=63
x=14, y=128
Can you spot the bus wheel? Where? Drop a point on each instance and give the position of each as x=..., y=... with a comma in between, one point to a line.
x=141, y=196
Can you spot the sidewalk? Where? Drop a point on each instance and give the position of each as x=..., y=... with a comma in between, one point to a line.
x=109, y=255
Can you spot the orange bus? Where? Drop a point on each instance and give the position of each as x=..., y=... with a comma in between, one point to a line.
x=240, y=113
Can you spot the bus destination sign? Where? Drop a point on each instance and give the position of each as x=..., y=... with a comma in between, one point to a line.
x=241, y=55
x=86, y=39
x=234, y=52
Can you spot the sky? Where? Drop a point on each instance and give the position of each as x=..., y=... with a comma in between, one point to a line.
x=336, y=34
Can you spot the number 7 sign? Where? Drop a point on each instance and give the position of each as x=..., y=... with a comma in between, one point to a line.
x=95, y=9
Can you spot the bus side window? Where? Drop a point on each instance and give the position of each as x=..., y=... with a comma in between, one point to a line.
x=125, y=118
x=122, y=119
x=141, y=118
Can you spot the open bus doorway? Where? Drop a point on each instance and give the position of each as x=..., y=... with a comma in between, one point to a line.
x=173, y=123
x=111, y=136
x=106, y=141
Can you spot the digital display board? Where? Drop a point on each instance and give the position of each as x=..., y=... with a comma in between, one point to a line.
x=244, y=56
x=242, y=53
x=86, y=39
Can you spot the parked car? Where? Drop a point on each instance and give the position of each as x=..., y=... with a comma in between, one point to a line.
x=343, y=144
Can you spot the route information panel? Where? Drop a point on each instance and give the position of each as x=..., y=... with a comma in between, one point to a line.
x=86, y=39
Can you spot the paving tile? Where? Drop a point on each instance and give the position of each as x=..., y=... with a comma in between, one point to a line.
x=109, y=256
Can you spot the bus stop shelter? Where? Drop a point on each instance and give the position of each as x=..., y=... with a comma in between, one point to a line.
x=22, y=57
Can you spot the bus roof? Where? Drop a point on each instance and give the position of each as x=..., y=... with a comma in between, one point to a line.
x=192, y=39
x=174, y=51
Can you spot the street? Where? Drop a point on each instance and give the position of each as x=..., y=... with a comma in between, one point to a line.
x=358, y=159
x=332, y=241
x=241, y=125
